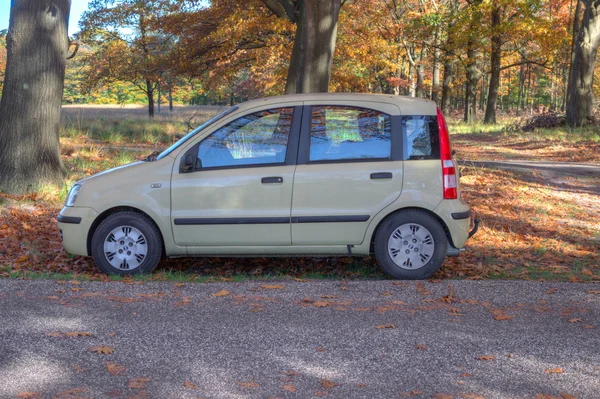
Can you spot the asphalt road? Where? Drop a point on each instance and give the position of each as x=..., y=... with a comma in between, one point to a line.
x=300, y=340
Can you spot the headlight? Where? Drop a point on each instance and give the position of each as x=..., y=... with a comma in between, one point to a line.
x=73, y=195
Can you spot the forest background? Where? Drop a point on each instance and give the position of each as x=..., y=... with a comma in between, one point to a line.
x=496, y=55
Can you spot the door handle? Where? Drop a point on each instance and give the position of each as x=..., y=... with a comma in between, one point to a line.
x=381, y=175
x=271, y=180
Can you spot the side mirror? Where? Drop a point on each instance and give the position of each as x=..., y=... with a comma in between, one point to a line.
x=188, y=163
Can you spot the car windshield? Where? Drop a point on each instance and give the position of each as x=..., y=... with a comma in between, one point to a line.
x=191, y=134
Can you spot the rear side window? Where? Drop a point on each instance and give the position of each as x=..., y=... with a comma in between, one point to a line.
x=349, y=133
x=422, y=138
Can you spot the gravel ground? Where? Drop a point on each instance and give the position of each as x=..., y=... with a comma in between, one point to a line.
x=288, y=339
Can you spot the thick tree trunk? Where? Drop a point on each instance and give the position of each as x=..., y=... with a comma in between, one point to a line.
x=574, y=35
x=150, y=96
x=314, y=45
x=581, y=96
x=37, y=46
x=495, y=59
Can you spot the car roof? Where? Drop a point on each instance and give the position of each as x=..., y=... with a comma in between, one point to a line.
x=407, y=105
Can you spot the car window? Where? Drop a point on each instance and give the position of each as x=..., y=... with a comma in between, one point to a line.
x=422, y=138
x=339, y=133
x=254, y=139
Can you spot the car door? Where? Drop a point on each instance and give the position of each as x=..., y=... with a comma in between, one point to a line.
x=349, y=169
x=239, y=192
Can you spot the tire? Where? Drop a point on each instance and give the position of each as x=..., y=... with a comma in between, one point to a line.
x=127, y=243
x=410, y=245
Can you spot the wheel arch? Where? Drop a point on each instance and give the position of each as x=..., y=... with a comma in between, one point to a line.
x=112, y=211
x=414, y=208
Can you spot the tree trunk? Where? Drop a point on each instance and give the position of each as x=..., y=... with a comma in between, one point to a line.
x=37, y=47
x=314, y=45
x=473, y=73
x=170, y=98
x=471, y=86
x=574, y=35
x=449, y=60
x=495, y=59
x=435, y=79
x=581, y=96
x=150, y=96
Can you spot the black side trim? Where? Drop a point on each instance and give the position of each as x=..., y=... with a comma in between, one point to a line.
x=330, y=219
x=461, y=215
x=68, y=219
x=204, y=221
x=271, y=180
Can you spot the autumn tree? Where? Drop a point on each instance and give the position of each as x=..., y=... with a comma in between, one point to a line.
x=581, y=97
x=37, y=49
x=127, y=46
x=314, y=43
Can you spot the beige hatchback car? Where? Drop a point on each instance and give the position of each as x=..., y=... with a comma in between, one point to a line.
x=315, y=174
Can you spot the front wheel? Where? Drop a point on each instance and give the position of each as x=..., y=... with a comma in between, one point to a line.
x=126, y=243
x=411, y=245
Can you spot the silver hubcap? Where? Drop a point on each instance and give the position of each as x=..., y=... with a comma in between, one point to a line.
x=125, y=248
x=411, y=246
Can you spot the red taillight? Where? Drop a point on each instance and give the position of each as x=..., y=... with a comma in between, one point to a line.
x=450, y=183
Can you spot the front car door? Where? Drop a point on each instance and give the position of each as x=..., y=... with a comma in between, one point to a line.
x=240, y=192
x=349, y=169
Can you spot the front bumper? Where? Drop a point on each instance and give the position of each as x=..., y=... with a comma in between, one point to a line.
x=74, y=224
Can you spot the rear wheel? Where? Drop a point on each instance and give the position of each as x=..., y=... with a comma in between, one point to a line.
x=126, y=243
x=410, y=245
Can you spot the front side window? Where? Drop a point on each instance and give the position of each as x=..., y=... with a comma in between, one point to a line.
x=422, y=138
x=254, y=139
x=349, y=133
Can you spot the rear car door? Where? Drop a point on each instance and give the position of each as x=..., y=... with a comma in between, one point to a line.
x=240, y=193
x=349, y=168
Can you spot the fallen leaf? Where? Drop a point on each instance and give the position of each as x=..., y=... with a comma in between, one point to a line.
x=115, y=369
x=138, y=383
x=471, y=396
x=502, y=316
x=557, y=370
x=421, y=346
x=250, y=384
x=329, y=296
x=384, y=326
x=272, y=286
x=78, y=334
x=414, y=392
x=74, y=282
x=22, y=258
x=552, y=291
x=575, y=320
x=326, y=384
x=465, y=374
x=291, y=373
x=103, y=350
x=321, y=349
x=190, y=385
x=442, y=396
x=53, y=297
x=321, y=393
x=362, y=309
x=589, y=327
x=567, y=396
x=289, y=388
x=72, y=393
x=594, y=292
x=221, y=293
x=29, y=395
x=179, y=285
x=485, y=357
x=320, y=304
x=361, y=385
x=587, y=272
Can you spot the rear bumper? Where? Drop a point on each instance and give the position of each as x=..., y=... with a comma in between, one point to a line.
x=74, y=224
